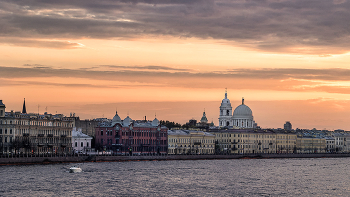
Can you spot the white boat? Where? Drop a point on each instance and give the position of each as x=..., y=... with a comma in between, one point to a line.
x=74, y=169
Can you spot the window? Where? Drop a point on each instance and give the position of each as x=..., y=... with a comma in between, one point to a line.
x=87, y=144
x=5, y=131
x=10, y=131
x=101, y=141
x=5, y=139
x=81, y=144
x=76, y=144
x=0, y=131
x=101, y=132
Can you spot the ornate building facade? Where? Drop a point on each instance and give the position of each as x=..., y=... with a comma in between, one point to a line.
x=129, y=136
x=34, y=133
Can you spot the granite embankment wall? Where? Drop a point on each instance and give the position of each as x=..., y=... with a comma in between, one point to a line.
x=100, y=158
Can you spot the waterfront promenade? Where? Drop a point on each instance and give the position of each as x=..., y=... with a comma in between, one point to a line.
x=50, y=159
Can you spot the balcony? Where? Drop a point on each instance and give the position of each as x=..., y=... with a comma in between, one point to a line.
x=50, y=135
x=41, y=135
x=25, y=134
x=63, y=135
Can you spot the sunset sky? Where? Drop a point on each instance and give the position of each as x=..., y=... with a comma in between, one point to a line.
x=289, y=59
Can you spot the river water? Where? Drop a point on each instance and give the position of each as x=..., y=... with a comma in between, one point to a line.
x=245, y=177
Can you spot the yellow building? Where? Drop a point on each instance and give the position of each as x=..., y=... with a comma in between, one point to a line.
x=244, y=141
x=286, y=142
x=190, y=142
x=311, y=145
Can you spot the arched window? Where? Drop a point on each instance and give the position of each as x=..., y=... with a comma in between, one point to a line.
x=228, y=112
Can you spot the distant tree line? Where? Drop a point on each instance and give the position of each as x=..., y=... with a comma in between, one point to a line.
x=170, y=125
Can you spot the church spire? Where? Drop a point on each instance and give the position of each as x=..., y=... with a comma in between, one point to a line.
x=24, y=110
x=225, y=93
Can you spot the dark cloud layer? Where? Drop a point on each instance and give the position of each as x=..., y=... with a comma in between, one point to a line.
x=291, y=26
x=139, y=73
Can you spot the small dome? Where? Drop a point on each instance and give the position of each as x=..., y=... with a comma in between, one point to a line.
x=127, y=121
x=204, y=118
x=155, y=122
x=116, y=119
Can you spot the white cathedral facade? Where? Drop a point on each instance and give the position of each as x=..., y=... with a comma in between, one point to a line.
x=242, y=116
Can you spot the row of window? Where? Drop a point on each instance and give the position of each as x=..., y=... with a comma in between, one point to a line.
x=45, y=132
x=81, y=144
x=134, y=141
x=146, y=134
x=5, y=139
x=193, y=146
x=187, y=140
x=244, y=135
x=5, y=131
x=37, y=123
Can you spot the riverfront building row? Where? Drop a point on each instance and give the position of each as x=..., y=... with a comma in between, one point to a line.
x=236, y=134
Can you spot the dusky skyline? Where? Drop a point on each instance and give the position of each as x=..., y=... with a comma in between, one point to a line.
x=288, y=59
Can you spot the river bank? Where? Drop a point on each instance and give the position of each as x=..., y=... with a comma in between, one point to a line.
x=101, y=158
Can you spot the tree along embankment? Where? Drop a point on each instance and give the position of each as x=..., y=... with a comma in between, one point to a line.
x=101, y=158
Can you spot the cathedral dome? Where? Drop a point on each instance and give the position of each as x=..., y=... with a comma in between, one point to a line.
x=243, y=112
x=116, y=119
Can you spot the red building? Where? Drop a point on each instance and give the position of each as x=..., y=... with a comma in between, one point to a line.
x=128, y=136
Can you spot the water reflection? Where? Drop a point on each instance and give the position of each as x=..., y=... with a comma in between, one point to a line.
x=254, y=177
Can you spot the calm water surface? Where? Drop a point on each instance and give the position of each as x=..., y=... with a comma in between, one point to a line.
x=250, y=177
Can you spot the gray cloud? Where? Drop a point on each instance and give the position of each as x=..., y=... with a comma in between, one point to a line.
x=146, y=68
x=135, y=74
x=279, y=79
x=39, y=43
x=271, y=25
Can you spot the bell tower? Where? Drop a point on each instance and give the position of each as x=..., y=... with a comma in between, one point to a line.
x=225, y=118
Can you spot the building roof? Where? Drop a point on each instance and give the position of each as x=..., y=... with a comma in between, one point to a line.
x=79, y=134
x=243, y=111
x=189, y=132
x=2, y=104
